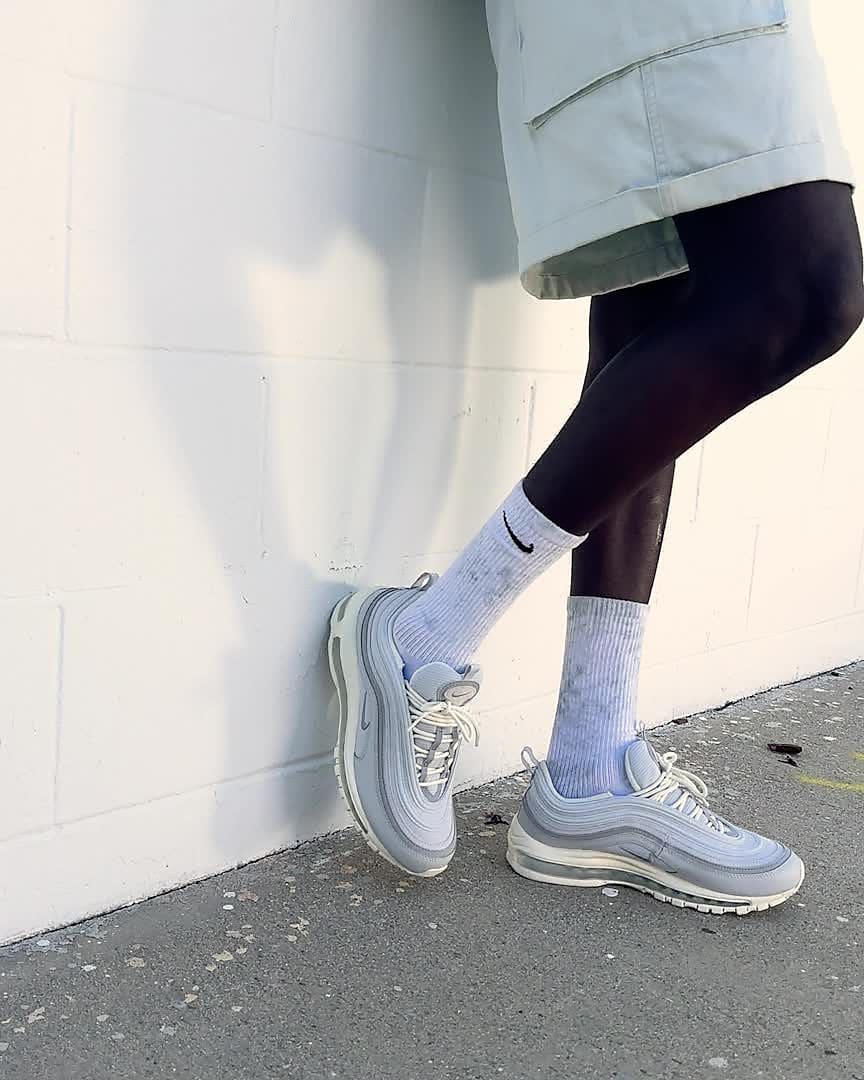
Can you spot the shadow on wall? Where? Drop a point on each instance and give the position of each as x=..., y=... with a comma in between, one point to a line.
x=295, y=251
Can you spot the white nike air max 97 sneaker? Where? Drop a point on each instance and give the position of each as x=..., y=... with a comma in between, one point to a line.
x=398, y=740
x=662, y=839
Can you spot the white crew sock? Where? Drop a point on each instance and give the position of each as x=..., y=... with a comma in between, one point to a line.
x=513, y=548
x=596, y=717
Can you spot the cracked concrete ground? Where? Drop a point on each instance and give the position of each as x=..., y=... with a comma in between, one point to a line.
x=325, y=962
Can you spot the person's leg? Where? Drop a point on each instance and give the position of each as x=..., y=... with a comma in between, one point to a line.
x=449, y=621
x=776, y=288
x=619, y=559
x=612, y=576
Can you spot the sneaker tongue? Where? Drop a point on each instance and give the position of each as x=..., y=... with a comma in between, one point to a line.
x=640, y=762
x=440, y=682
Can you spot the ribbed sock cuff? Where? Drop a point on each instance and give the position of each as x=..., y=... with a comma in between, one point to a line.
x=523, y=514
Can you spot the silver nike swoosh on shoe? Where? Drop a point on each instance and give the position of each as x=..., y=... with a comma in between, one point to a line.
x=653, y=857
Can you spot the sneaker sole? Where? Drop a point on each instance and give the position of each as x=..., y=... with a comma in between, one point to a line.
x=345, y=671
x=592, y=869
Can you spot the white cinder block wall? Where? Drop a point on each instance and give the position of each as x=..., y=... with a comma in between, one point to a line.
x=262, y=341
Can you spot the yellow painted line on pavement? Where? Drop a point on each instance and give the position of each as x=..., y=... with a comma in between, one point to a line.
x=858, y=757
x=835, y=785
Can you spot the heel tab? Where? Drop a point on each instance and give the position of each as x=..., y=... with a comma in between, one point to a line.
x=528, y=759
x=425, y=581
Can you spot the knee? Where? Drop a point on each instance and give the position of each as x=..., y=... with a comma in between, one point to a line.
x=832, y=309
x=817, y=312
x=788, y=325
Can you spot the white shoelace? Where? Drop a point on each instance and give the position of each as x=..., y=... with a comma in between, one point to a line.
x=690, y=789
x=432, y=721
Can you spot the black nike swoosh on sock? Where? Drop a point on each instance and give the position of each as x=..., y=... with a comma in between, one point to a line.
x=527, y=548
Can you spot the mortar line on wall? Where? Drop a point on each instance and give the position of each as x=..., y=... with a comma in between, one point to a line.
x=58, y=712
x=274, y=53
x=12, y=336
x=304, y=764
x=67, y=221
x=429, y=163
x=400, y=362
x=166, y=95
x=51, y=591
x=267, y=121
x=194, y=350
x=532, y=400
x=63, y=590
x=264, y=428
x=699, y=479
x=308, y=763
x=752, y=576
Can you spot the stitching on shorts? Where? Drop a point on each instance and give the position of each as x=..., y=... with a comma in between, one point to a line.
x=655, y=130
x=576, y=211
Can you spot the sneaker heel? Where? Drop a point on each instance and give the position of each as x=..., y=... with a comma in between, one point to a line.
x=337, y=616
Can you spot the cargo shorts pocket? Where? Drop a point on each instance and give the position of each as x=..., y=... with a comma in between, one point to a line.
x=568, y=49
